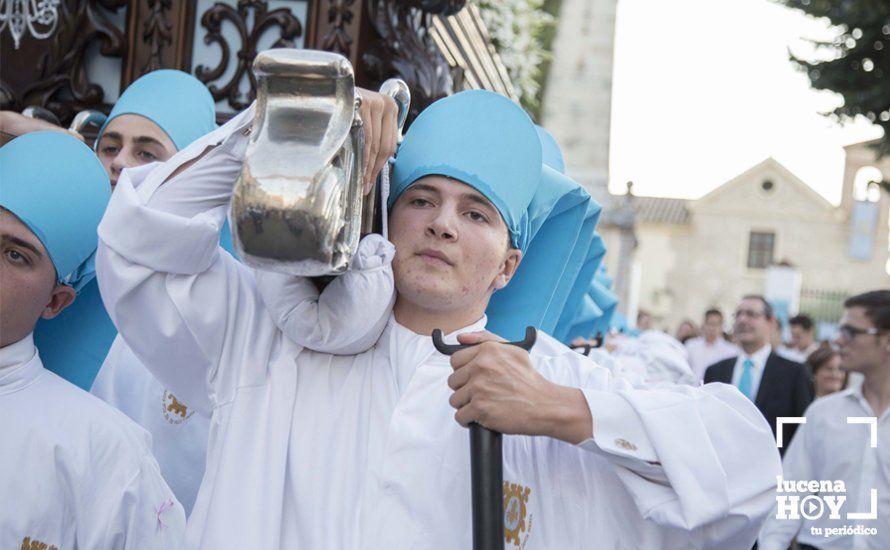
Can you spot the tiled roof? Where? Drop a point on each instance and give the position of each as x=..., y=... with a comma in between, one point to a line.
x=651, y=210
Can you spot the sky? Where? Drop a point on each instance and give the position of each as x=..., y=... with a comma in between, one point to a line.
x=703, y=90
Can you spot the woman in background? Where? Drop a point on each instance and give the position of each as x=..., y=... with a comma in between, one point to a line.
x=825, y=364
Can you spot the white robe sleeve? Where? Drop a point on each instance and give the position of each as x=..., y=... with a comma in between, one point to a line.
x=346, y=318
x=796, y=464
x=702, y=460
x=136, y=513
x=181, y=303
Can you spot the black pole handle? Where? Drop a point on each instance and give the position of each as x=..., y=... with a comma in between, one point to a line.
x=531, y=336
x=583, y=349
x=486, y=464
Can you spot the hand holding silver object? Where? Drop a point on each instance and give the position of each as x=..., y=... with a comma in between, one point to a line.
x=297, y=206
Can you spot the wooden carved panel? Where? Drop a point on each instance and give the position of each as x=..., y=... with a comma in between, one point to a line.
x=159, y=36
x=262, y=19
x=52, y=72
x=336, y=26
x=405, y=48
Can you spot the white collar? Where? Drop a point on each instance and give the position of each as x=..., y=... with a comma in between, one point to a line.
x=407, y=350
x=18, y=352
x=450, y=338
x=21, y=365
x=759, y=357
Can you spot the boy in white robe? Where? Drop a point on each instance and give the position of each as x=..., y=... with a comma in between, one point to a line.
x=157, y=115
x=74, y=472
x=312, y=450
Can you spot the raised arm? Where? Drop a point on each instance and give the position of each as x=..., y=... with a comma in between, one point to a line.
x=178, y=300
x=349, y=315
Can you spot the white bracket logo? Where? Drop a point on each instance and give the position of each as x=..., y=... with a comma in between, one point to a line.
x=782, y=420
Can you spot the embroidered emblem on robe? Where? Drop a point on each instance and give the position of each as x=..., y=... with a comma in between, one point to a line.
x=517, y=522
x=175, y=411
x=28, y=544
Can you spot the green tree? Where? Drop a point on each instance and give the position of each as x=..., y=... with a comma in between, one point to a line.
x=858, y=62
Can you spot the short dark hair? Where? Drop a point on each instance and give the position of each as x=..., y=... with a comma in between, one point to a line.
x=876, y=304
x=767, y=308
x=714, y=311
x=820, y=357
x=803, y=321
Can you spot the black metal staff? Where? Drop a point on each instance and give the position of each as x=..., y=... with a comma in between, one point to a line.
x=486, y=464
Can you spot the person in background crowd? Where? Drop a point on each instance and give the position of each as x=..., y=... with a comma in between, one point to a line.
x=644, y=321
x=711, y=346
x=828, y=447
x=653, y=358
x=803, y=334
x=825, y=364
x=777, y=386
x=777, y=330
x=74, y=472
x=686, y=331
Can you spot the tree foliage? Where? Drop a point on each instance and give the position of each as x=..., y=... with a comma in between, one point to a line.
x=856, y=63
x=522, y=32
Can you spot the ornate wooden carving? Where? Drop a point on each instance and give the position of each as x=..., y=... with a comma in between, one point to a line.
x=337, y=26
x=438, y=7
x=160, y=37
x=404, y=48
x=52, y=73
x=157, y=33
x=263, y=19
x=337, y=38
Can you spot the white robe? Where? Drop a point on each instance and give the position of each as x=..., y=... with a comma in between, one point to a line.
x=312, y=450
x=178, y=432
x=74, y=472
x=347, y=317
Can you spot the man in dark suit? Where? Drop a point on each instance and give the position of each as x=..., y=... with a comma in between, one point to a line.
x=777, y=386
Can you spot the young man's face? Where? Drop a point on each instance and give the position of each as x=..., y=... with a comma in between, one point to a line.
x=713, y=327
x=862, y=352
x=800, y=337
x=28, y=288
x=751, y=327
x=132, y=140
x=452, y=246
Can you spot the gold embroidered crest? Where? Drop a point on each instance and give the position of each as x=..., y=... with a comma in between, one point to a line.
x=175, y=411
x=515, y=512
x=28, y=544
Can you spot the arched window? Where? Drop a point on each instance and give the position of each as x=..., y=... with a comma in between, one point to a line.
x=866, y=184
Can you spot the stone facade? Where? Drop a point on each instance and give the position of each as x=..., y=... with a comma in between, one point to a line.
x=578, y=96
x=690, y=263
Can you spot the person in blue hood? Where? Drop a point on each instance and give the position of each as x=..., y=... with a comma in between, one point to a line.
x=156, y=116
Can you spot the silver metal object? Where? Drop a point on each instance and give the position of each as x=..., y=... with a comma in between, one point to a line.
x=41, y=113
x=297, y=205
x=87, y=118
x=40, y=17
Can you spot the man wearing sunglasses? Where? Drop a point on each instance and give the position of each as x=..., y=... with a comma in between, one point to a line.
x=829, y=446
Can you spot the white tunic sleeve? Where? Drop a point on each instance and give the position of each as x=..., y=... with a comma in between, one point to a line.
x=702, y=460
x=137, y=513
x=346, y=318
x=182, y=304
